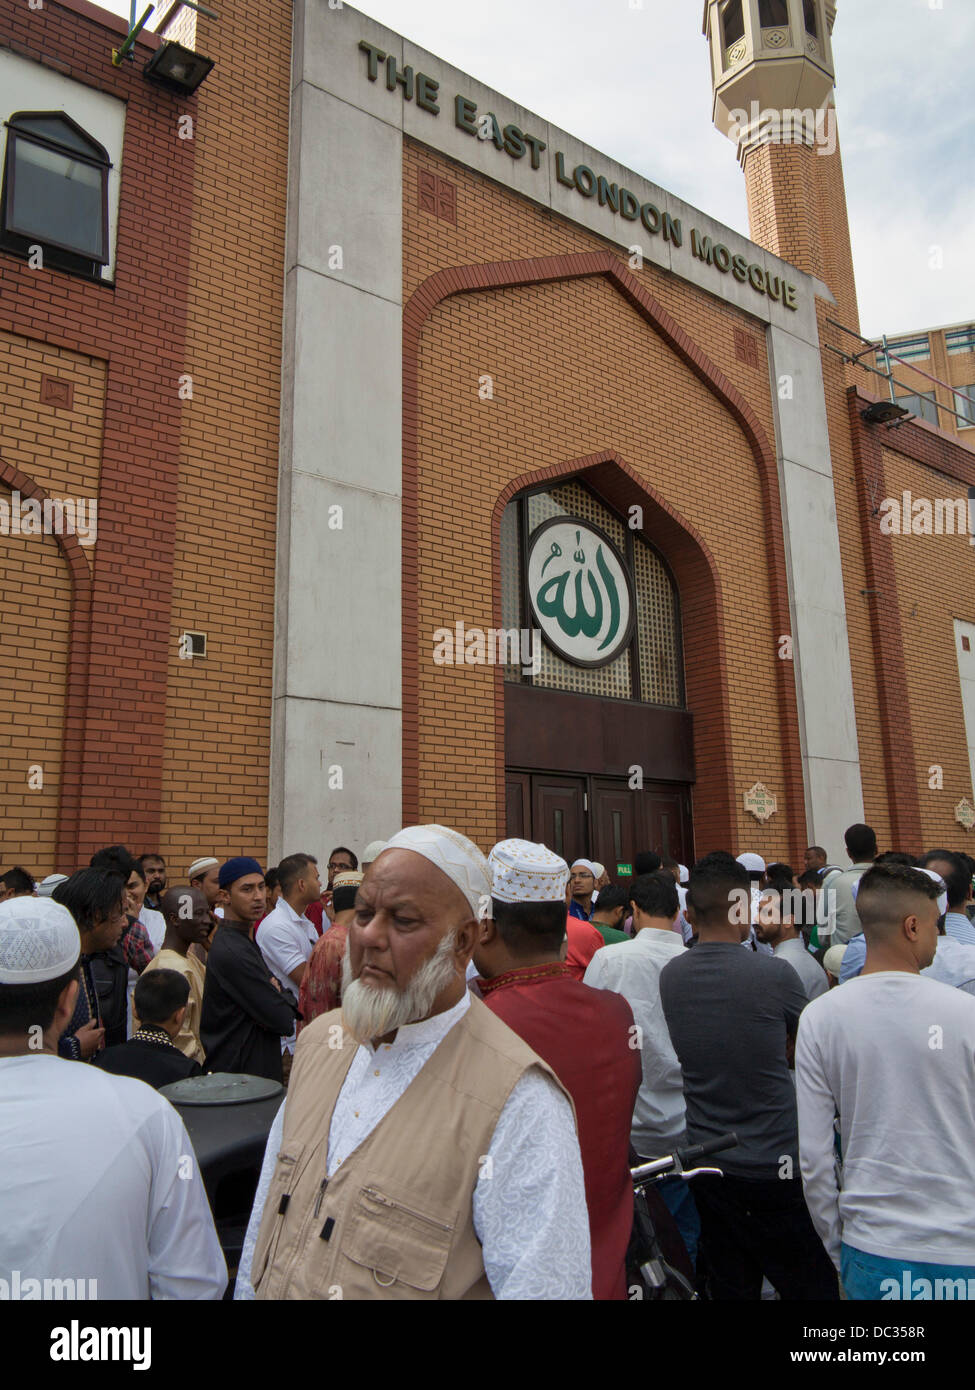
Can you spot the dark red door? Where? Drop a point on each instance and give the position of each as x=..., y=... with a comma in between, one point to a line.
x=559, y=815
x=667, y=817
x=615, y=822
x=518, y=805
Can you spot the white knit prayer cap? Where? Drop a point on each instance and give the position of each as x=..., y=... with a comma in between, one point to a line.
x=372, y=851
x=522, y=872
x=455, y=855
x=38, y=941
x=754, y=863
x=200, y=866
x=586, y=864
x=683, y=874
x=47, y=885
x=598, y=869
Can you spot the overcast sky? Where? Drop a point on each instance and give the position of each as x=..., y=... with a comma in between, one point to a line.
x=635, y=83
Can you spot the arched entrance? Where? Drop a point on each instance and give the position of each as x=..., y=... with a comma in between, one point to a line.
x=601, y=745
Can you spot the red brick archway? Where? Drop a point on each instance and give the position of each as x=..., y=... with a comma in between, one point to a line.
x=548, y=269
x=701, y=604
x=76, y=684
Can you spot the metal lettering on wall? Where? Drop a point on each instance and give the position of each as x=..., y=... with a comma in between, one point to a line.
x=517, y=144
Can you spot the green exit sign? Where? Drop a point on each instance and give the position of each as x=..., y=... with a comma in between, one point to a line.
x=625, y=870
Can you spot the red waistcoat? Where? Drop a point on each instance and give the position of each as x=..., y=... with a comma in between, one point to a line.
x=584, y=1036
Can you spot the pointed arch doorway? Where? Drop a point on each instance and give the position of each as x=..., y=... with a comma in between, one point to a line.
x=599, y=757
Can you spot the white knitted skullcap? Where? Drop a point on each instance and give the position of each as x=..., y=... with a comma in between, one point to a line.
x=754, y=863
x=598, y=869
x=452, y=853
x=683, y=874
x=525, y=873
x=372, y=851
x=47, y=885
x=38, y=941
x=200, y=866
x=586, y=864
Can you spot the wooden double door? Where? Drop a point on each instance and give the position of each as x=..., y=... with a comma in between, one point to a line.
x=599, y=818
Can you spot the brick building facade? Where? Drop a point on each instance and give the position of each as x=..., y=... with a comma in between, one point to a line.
x=484, y=328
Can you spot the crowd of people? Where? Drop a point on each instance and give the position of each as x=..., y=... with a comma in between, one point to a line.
x=475, y=1051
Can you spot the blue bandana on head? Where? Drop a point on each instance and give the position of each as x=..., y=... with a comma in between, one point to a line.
x=237, y=868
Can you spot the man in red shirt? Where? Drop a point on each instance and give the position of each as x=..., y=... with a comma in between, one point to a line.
x=321, y=985
x=587, y=1036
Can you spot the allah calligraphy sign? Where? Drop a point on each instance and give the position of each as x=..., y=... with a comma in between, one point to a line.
x=580, y=591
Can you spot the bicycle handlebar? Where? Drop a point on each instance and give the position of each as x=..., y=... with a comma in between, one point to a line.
x=711, y=1146
x=682, y=1159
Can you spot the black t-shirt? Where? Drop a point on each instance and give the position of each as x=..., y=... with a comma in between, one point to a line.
x=156, y=1063
x=728, y=1011
x=244, y=1017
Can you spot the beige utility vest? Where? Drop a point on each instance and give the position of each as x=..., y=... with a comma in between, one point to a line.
x=395, y=1220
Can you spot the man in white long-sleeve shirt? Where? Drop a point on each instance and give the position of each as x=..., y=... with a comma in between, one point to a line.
x=893, y=1054
x=99, y=1187
x=424, y=1151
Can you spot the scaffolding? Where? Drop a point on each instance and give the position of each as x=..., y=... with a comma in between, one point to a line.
x=876, y=349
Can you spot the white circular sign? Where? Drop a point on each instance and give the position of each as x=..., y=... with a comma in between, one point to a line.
x=579, y=591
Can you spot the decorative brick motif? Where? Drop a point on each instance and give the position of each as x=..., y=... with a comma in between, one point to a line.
x=57, y=392
x=436, y=196
x=746, y=348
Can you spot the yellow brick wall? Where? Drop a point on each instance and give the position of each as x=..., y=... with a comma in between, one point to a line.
x=60, y=450
x=575, y=370
x=935, y=584
x=216, y=762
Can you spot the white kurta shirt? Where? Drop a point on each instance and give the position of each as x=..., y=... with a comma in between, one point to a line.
x=529, y=1205
x=99, y=1182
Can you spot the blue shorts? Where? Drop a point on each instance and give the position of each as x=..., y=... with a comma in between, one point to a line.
x=877, y=1278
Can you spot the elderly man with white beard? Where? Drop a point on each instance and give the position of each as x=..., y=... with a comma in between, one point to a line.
x=424, y=1151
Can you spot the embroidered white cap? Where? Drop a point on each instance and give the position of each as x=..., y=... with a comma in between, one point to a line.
x=455, y=855
x=38, y=941
x=522, y=872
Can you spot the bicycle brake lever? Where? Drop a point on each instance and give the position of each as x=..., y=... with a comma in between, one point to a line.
x=700, y=1172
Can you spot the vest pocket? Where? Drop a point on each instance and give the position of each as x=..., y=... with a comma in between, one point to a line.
x=397, y=1242
x=286, y=1171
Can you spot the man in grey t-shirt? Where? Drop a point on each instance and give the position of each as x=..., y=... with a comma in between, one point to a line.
x=729, y=1013
x=776, y=927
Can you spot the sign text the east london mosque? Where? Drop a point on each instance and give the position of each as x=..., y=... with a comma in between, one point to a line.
x=518, y=144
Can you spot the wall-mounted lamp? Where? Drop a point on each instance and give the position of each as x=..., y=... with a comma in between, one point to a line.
x=883, y=413
x=177, y=68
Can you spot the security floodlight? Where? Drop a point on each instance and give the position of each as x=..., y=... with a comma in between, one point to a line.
x=178, y=68
x=883, y=413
